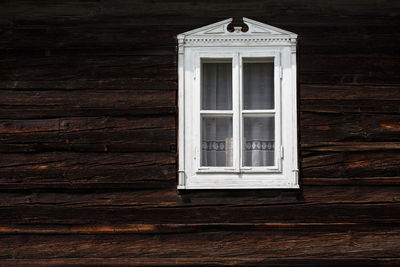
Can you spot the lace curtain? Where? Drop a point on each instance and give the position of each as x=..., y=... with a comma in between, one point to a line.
x=258, y=131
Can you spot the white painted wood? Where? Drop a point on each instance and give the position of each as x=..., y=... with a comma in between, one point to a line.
x=261, y=43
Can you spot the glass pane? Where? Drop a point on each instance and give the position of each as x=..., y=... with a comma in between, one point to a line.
x=258, y=85
x=259, y=141
x=216, y=140
x=216, y=84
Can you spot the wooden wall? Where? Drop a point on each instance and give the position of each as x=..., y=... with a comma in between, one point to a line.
x=88, y=125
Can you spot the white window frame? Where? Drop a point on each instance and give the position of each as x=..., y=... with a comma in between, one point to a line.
x=216, y=42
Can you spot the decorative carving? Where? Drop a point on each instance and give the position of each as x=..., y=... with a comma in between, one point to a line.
x=237, y=29
x=217, y=34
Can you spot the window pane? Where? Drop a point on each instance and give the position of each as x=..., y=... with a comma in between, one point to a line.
x=216, y=141
x=258, y=85
x=259, y=141
x=216, y=92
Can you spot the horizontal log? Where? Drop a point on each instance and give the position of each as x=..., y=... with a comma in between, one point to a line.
x=175, y=12
x=90, y=37
x=318, y=127
x=350, y=146
x=334, y=92
x=351, y=106
x=89, y=134
x=349, y=64
x=153, y=83
x=83, y=103
x=351, y=164
x=65, y=68
x=223, y=261
x=205, y=245
x=350, y=69
x=151, y=229
x=351, y=181
x=70, y=212
x=369, y=213
x=168, y=197
x=365, y=78
x=85, y=40
x=68, y=169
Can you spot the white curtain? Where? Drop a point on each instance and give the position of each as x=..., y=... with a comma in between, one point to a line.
x=216, y=131
x=216, y=141
x=258, y=141
x=258, y=93
x=216, y=86
x=258, y=85
x=258, y=132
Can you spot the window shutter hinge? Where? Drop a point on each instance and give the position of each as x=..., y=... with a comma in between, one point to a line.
x=282, y=152
x=296, y=177
x=280, y=72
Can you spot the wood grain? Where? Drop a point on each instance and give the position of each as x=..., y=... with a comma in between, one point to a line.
x=88, y=139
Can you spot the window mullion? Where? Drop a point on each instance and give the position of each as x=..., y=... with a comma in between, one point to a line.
x=239, y=110
x=236, y=110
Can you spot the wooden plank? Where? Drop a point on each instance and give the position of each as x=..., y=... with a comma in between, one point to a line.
x=52, y=215
x=313, y=12
x=351, y=181
x=68, y=169
x=351, y=106
x=350, y=146
x=64, y=68
x=205, y=245
x=168, y=197
x=335, y=92
x=351, y=164
x=335, y=126
x=189, y=228
x=89, y=134
x=349, y=64
x=222, y=261
x=163, y=211
x=27, y=104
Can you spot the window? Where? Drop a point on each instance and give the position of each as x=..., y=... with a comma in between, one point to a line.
x=237, y=107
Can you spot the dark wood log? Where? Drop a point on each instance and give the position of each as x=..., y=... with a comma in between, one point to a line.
x=351, y=106
x=223, y=261
x=99, y=134
x=205, y=246
x=338, y=127
x=90, y=68
x=334, y=92
x=73, y=211
x=351, y=164
x=59, y=169
x=370, y=213
x=168, y=197
x=395, y=181
x=83, y=103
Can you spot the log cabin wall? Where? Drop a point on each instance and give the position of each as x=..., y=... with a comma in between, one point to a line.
x=88, y=120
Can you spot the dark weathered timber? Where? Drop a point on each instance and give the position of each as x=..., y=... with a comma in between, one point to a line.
x=25, y=104
x=351, y=164
x=338, y=127
x=223, y=261
x=88, y=106
x=206, y=245
x=379, y=213
x=66, y=169
x=168, y=197
x=94, y=68
x=345, y=208
x=99, y=134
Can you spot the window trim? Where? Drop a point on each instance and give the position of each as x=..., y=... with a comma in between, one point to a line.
x=190, y=173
